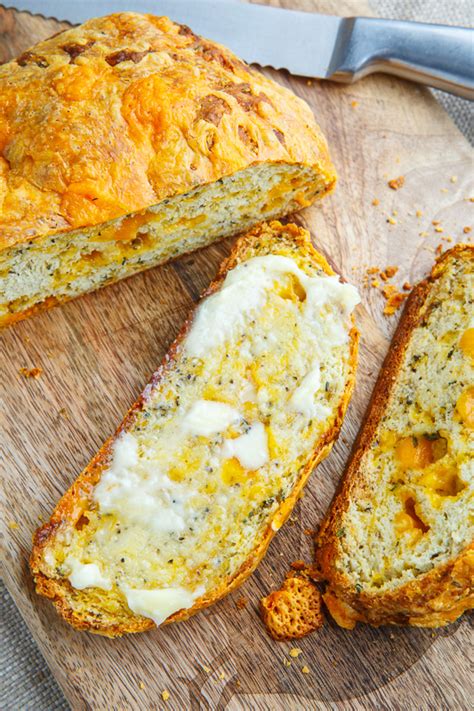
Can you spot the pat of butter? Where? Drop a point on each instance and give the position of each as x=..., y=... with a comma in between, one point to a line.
x=251, y=448
x=208, y=417
x=138, y=493
x=125, y=452
x=248, y=392
x=159, y=604
x=86, y=575
x=244, y=290
x=303, y=398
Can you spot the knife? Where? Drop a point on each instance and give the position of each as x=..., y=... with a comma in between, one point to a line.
x=307, y=44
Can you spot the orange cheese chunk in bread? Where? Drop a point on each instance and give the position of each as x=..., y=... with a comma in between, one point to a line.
x=466, y=342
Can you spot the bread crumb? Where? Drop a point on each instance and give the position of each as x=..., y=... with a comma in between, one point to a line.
x=397, y=183
x=222, y=676
x=141, y=685
x=438, y=229
x=298, y=565
x=64, y=413
x=391, y=221
x=293, y=611
x=447, y=238
x=375, y=201
x=31, y=372
x=435, y=222
x=407, y=286
x=354, y=104
x=454, y=178
x=394, y=301
x=309, y=82
x=241, y=602
x=295, y=652
x=444, y=190
x=424, y=234
x=305, y=670
x=165, y=694
x=439, y=249
x=13, y=525
x=26, y=339
x=375, y=283
x=206, y=669
x=419, y=213
x=391, y=271
x=467, y=229
x=372, y=270
x=309, y=532
x=394, y=213
x=388, y=290
x=287, y=662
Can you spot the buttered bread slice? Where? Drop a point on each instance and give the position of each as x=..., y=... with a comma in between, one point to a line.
x=398, y=543
x=180, y=505
x=128, y=141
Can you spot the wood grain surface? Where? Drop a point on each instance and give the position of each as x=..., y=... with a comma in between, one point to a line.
x=98, y=352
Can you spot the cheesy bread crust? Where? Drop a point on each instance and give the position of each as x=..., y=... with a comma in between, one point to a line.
x=443, y=591
x=72, y=511
x=128, y=141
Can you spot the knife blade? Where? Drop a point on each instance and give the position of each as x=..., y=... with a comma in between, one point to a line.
x=306, y=43
x=257, y=33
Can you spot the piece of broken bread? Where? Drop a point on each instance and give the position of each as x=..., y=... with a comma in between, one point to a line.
x=397, y=544
x=179, y=506
x=293, y=611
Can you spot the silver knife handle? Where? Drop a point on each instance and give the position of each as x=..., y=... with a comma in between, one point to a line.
x=437, y=55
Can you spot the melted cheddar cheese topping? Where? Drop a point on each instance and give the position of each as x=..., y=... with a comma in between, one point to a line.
x=125, y=111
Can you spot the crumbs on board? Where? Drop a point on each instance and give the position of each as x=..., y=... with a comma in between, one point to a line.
x=30, y=372
x=378, y=278
x=397, y=183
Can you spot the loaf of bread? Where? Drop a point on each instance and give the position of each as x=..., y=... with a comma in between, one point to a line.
x=179, y=506
x=128, y=141
x=397, y=545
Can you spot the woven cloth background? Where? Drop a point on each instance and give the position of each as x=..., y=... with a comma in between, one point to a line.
x=25, y=680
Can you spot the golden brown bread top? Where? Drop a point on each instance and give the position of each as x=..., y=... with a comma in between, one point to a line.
x=126, y=110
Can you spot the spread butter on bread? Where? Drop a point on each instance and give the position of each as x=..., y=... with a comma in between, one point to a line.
x=179, y=506
x=397, y=544
x=128, y=141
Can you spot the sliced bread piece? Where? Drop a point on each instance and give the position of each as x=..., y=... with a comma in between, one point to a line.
x=128, y=141
x=397, y=544
x=179, y=506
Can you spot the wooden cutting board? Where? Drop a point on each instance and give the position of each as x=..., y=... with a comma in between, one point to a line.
x=98, y=352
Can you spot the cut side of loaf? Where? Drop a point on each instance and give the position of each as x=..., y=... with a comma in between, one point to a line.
x=179, y=506
x=128, y=141
x=397, y=544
